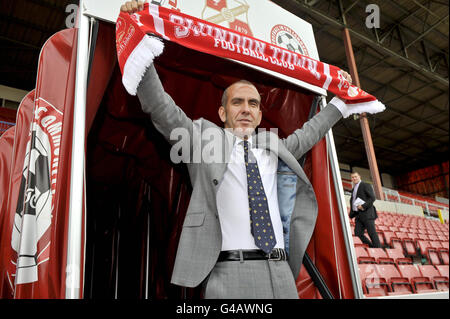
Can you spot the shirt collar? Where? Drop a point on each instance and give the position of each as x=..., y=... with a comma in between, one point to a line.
x=238, y=140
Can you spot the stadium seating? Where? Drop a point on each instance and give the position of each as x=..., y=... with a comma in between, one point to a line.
x=380, y=256
x=443, y=252
x=363, y=257
x=418, y=200
x=398, y=256
x=428, y=251
x=381, y=238
x=420, y=283
x=440, y=282
x=396, y=282
x=372, y=284
x=443, y=270
x=414, y=257
x=357, y=242
x=392, y=240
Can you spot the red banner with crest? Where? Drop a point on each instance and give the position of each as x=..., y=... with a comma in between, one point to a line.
x=34, y=228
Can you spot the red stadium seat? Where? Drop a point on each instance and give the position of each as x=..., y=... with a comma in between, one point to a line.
x=428, y=251
x=430, y=271
x=372, y=284
x=357, y=242
x=423, y=246
x=362, y=256
x=381, y=238
x=393, y=228
x=433, y=257
x=410, y=247
x=380, y=256
x=419, y=283
x=397, y=283
x=402, y=235
x=435, y=244
x=413, y=235
x=443, y=270
x=391, y=237
x=398, y=256
x=396, y=243
x=441, y=252
x=409, y=243
x=443, y=255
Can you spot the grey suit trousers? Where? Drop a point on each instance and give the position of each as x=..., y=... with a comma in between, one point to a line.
x=251, y=279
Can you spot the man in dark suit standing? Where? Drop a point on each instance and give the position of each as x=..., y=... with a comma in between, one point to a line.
x=362, y=208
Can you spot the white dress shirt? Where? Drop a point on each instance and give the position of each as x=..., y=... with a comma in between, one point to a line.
x=355, y=190
x=232, y=198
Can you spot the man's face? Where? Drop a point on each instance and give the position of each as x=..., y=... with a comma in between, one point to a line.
x=242, y=111
x=355, y=178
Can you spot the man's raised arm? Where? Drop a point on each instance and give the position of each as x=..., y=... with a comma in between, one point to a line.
x=164, y=113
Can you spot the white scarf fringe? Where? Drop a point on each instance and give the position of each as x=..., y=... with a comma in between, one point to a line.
x=139, y=60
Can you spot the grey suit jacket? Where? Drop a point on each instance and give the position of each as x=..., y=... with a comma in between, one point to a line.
x=201, y=239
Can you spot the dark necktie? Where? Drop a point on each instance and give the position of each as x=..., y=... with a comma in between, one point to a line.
x=261, y=225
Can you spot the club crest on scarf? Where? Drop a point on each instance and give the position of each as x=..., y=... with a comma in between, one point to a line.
x=285, y=37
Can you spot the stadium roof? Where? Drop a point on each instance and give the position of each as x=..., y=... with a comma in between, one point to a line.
x=404, y=63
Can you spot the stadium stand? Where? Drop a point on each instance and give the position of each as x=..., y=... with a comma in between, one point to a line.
x=398, y=285
x=380, y=256
x=373, y=285
x=419, y=282
x=413, y=258
x=363, y=257
x=426, y=204
x=398, y=256
x=440, y=282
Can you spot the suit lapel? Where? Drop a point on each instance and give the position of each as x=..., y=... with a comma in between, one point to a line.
x=228, y=144
x=358, y=192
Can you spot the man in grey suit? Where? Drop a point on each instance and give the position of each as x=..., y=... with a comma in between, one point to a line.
x=232, y=237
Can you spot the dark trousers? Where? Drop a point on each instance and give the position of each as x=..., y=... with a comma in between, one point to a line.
x=361, y=225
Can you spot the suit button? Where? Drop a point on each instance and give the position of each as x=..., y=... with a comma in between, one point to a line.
x=215, y=181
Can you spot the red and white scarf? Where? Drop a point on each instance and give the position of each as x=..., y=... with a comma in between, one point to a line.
x=136, y=51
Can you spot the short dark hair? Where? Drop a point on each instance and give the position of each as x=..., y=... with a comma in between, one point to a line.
x=224, y=99
x=355, y=173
